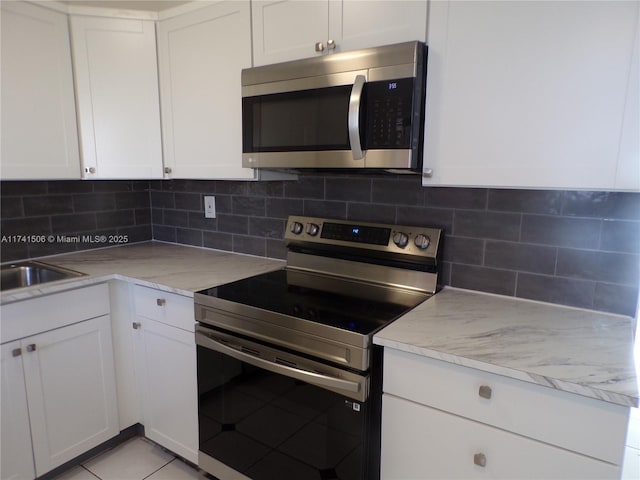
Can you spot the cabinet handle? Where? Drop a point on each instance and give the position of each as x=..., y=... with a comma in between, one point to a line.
x=319, y=47
x=90, y=170
x=480, y=459
x=136, y=325
x=167, y=170
x=161, y=302
x=428, y=172
x=331, y=45
x=31, y=347
x=485, y=391
x=16, y=352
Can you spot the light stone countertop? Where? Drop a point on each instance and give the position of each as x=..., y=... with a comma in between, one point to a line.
x=169, y=267
x=570, y=349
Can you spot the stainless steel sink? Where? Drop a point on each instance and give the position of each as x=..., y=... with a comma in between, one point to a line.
x=26, y=274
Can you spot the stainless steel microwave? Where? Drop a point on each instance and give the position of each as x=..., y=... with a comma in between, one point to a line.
x=353, y=110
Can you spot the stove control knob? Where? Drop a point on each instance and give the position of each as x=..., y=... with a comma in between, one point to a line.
x=312, y=229
x=400, y=239
x=296, y=228
x=422, y=241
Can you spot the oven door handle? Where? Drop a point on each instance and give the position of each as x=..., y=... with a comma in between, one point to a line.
x=310, y=377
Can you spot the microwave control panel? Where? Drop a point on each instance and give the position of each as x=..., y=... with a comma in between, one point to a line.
x=389, y=106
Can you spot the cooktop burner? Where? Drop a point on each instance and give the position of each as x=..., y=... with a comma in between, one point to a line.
x=356, y=309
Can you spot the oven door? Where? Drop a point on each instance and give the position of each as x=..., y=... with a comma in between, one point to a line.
x=264, y=413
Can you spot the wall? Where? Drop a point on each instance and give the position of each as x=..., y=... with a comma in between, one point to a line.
x=565, y=247
x=55, y=212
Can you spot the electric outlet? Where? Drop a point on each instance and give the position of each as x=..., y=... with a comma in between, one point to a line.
x=210, y=207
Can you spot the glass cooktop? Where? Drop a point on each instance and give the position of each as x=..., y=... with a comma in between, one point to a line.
x=360, y=310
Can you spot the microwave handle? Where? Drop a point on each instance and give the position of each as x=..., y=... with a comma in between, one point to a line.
x=354, y=117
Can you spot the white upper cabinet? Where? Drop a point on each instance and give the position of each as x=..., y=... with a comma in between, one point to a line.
x=361, y=24
x=118, y=101
x=533, y=95
x=201, y=54
x=288, y=30
x=39, y=132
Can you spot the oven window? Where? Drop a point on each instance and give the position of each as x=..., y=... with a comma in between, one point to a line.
x=309, y=120
x=268, y=426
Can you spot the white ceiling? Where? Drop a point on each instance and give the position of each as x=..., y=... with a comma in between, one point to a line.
x=150, y=5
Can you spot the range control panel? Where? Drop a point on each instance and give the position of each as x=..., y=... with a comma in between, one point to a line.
x=409, y=240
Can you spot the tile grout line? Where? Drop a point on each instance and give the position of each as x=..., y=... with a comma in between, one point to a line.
x=157, y=470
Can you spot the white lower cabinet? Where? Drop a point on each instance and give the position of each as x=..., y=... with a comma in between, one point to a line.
x=420, y=442
x=441, y=420
x=165, y=351
x=58, y=386
x=71, y=391
x=17, y=454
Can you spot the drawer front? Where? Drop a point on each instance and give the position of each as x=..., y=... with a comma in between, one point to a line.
x=571, y=421
x=419, y=442
x=169, y=308
x=41, y=314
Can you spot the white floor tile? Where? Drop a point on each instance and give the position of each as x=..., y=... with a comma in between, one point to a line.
x=177, y=470
x=133, y=460
x=77, y=473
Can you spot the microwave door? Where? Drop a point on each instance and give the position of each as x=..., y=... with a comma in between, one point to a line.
x=354, y=117
x=317, y=127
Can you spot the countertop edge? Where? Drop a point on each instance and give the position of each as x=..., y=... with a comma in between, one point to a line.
x=570, y=387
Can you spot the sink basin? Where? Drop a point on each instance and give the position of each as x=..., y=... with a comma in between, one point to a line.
x=26, y=274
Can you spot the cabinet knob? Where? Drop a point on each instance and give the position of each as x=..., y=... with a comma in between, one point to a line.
x=136, y=325
x=16, y=352
x=319, y=47
x=427, y=172
x=90, y=170
x=485, y=391
x=31, y=347
x=480, y=459
x=331, y=45
x=161, y=302
x=167, y=170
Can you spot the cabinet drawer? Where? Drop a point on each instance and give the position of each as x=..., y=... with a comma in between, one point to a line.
x=41, y=314
x=419, y=442
x=571, y=421
x=165, y=307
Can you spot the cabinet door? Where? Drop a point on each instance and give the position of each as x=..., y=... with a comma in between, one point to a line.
x=17, y=454
x=288, y=30
x=628, y=171
x=528, y=94
x=170, y=405
x=362, y=24
x=39, y=131
x=118, y=100
x=201, y=55
x=419, y=442
x=71, y=391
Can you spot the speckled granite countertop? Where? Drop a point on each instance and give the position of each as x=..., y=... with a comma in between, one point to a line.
x=570, y=349
x=173, y=268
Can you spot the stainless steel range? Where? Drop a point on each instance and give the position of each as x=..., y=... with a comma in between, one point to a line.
x=289, y=379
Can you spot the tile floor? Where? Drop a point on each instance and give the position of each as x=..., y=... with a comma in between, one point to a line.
x=136, y=459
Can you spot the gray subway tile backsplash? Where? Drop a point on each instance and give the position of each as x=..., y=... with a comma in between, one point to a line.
x=567, y=247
